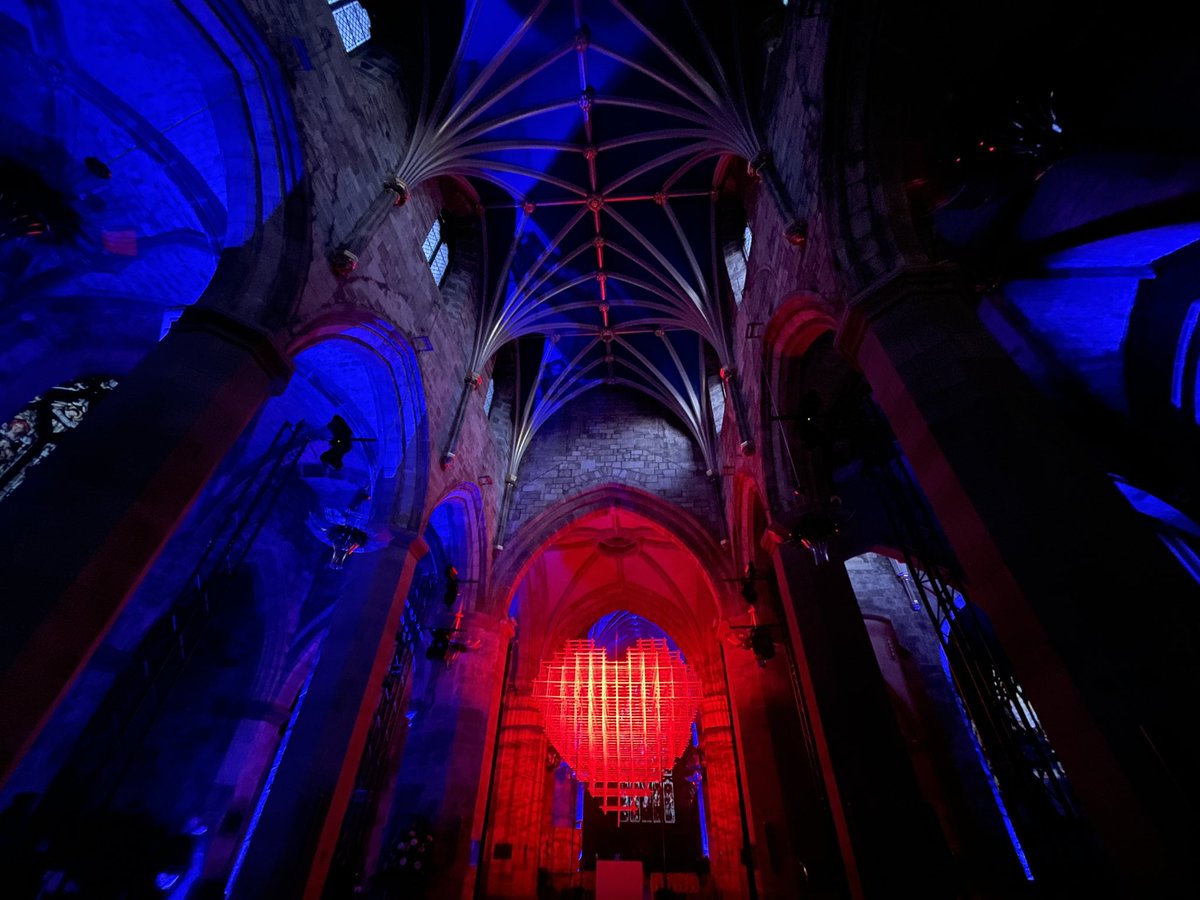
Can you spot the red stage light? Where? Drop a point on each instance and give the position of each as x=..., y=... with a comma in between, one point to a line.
x=618, y=723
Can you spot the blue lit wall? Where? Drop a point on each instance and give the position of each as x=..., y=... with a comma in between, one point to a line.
x=1081, y=305
x=154, y=93
x=197, y=761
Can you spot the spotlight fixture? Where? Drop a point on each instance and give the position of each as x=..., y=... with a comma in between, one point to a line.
x=343, y=263
x=345, y=540
x=757, y=637
x=445, y=644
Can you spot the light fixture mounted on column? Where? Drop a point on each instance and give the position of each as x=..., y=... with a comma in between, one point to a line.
x=445, y=644
x=344, y=529
x=819, y=527
x=345, y=540
x=757, y=637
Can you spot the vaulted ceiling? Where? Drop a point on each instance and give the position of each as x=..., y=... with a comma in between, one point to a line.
x=614, y=559
x=593, y=132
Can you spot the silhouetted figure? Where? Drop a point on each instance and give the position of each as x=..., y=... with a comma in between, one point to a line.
x=749, y=588
x=439, y=646
x=451, y=593
x=340, y=441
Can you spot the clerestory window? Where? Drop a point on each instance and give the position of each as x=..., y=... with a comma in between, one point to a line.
x=716, y=400
x=437, y=250
x=489, y=397
x=353, y=23
x=737, y=259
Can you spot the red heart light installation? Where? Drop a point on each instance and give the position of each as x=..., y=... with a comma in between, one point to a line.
x=618, y=723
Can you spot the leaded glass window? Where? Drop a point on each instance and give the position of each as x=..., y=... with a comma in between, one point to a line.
x=737, y=260
x=654, y=802
x=489, y=397
x=353, y=23
x=34, y=433
x=716, y=399
x=437, y=250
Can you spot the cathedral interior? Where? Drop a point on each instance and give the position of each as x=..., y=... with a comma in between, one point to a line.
x=598, y=449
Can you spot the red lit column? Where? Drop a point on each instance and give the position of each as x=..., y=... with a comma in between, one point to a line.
x=795, y=852
x=725, y=839
x=468, y=704
x=81, y=532
x=509, y=868
x=1097, y=618
x=890, y=841
x=292, y=845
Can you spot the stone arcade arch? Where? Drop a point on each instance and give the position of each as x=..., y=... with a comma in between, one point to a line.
x=317, y=773
x=615, y=548
x=428, y=740
x=217, y=636
x=124, y=486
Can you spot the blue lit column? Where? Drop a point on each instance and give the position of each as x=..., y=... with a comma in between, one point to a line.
x=292, y=840
x=81, y=532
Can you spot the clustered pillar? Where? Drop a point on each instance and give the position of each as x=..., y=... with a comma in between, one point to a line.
x=889, y=837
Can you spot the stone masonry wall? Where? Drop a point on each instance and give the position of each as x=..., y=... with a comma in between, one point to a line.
x=776, y=269
x=612, y=435
x=353, y=122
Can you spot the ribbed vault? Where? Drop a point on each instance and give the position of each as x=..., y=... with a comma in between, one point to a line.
x=593, y=143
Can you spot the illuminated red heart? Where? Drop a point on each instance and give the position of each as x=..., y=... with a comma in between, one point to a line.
x=617, y=723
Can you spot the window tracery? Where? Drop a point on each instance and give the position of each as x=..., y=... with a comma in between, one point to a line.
x=34, y=433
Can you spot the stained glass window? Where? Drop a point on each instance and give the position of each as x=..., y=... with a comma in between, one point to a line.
x=353, y=23
x=33, y=433
x=437, y=250
x=654, y=802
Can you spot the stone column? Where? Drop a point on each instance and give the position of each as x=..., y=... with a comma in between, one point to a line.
x=79, y=535
x=795, y=852
x=1099, y=621
x=509, y=868
x=461, y=730
x=293, y=843
x=726, y=842
x=890, y=840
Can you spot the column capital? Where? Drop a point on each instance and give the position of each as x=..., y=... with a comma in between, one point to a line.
x=941, y=280
x=257, y=342
x=504, y=627
x=407, y=540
